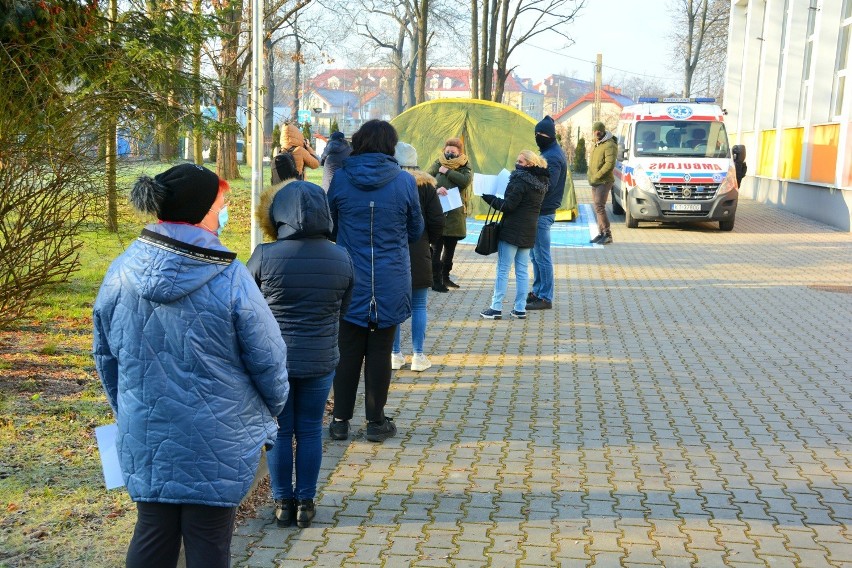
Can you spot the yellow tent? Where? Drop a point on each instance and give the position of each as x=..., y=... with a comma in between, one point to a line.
x=493, y=135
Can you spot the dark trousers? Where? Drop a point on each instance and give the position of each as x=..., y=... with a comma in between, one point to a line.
x=372, y=347
x=443, y=252
x=206, y=532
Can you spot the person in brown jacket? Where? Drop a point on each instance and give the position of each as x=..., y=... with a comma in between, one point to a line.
x=293, y=142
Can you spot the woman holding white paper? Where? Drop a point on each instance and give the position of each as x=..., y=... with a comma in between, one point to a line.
x=520, y=208
x=450, y=170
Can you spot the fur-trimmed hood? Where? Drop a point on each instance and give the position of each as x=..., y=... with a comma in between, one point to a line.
x=294, y=210
x=421, y=177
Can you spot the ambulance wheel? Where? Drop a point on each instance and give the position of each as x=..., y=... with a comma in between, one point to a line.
x=629, y=220
x=726, y=225
x=616, y=208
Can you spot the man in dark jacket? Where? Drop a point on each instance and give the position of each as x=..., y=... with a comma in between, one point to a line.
x=307, y=280
x=541, y=297
x=601, y=177
x=337, y=150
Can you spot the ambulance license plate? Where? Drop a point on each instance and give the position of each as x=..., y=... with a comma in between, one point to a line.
x=686, y=207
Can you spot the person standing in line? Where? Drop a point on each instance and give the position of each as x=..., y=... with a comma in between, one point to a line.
x=376, y=214
x=450, y=170
x=601, y=177
x=307, y=280
x=520, y=207
x=294, y=142
x=337, y=150
x=194, y=368
x=541, y=297
x=421, y=259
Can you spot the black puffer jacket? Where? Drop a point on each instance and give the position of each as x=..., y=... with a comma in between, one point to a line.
x=433, y=215
x=305, y=278
x=521, y=205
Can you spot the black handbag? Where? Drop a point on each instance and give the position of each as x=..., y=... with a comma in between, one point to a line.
x=490, y=234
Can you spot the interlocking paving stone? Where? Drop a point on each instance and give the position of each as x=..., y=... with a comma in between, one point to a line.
x=686, y=403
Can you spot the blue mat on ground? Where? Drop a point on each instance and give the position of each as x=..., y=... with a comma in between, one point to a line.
x=563, y=234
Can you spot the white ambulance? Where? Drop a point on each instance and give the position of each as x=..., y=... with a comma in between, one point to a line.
x=674, y=163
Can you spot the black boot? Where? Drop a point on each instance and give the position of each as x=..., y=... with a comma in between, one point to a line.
x=305, y=512
x=438, y=283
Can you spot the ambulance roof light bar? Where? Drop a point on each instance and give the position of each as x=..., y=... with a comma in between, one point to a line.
x=677, y=100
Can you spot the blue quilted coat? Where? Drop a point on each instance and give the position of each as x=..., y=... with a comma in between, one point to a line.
x=376, y=212
x=193, y=365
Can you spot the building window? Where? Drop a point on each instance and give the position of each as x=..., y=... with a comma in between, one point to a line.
x=433, y=83
x=782, y=59
x=448, y=83
x=334, y=83
x=383, y=83
x=841, y=65
x=807, y=82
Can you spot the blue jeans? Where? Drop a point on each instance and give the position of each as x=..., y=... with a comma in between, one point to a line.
x=541, y=261
x=507, y=255
x=418, y=321
x=302, y=418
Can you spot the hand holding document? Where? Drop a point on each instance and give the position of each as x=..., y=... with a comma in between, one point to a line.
x=484, y=184
x=452, y=200
x=109, y=455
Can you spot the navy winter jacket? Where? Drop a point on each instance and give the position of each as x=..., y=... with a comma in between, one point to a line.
x=376, y=213
x=305, y=278
x=193, y=365
x=557, y=167
x=337, y=150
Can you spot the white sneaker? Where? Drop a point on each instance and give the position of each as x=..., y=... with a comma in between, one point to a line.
x=420, y=362
x=397, y=361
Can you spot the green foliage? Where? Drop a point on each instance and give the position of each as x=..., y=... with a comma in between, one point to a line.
x=581, y=165
x=214, y=150
x=334, y=127
x=306, y=131
x=276, y=138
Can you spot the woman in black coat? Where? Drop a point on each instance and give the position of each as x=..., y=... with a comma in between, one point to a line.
x=307, y=280
x=520, y=207
x=420, y=254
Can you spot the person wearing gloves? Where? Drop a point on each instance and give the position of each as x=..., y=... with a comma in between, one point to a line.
x=337, y=150
x=601, y=177
x=520, y=208
x=307, y=280
x=293, y=142
x=421, y=259
x=376, y=214
x=194, y=368
x=450, y=170
x=541, y=297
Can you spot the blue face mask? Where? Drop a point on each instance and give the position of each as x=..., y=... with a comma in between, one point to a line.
x=223, y=220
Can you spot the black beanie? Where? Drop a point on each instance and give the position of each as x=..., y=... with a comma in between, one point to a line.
x=547, y=127
x=184, y=193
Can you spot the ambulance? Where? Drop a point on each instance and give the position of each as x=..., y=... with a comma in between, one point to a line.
x=674, y=163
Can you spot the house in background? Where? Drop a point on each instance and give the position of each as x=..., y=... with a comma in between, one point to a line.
x=579, y=113
x=788, y=95
x=376, y=90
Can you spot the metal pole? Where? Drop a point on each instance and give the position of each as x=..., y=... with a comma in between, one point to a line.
x=256, y=116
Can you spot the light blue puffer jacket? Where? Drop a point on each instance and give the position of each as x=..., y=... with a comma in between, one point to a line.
x=193, y=364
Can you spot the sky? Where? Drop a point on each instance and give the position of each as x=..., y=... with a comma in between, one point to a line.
x=634, y=37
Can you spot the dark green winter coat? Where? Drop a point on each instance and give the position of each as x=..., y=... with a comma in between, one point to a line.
x=602, y=161
x=456, y=220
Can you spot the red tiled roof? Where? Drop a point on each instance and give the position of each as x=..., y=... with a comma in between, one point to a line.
x=588, y=97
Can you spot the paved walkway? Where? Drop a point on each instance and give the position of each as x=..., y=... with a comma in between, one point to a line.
x=686, y=403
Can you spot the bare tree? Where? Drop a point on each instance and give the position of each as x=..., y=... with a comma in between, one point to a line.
x=505, y=25
x=701, y=28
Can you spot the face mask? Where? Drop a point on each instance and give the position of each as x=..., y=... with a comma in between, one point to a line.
x=223, y=220
x=599, y=135
x=450, y=155
x=542, y=141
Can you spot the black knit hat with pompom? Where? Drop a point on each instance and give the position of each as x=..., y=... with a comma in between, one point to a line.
x=184, y=193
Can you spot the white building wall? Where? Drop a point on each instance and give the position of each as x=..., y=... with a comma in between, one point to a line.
x=798, y=150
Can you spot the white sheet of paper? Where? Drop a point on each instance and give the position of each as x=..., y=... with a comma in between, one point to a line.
x=452, y=200
x=484, y=184
x=109, y=455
